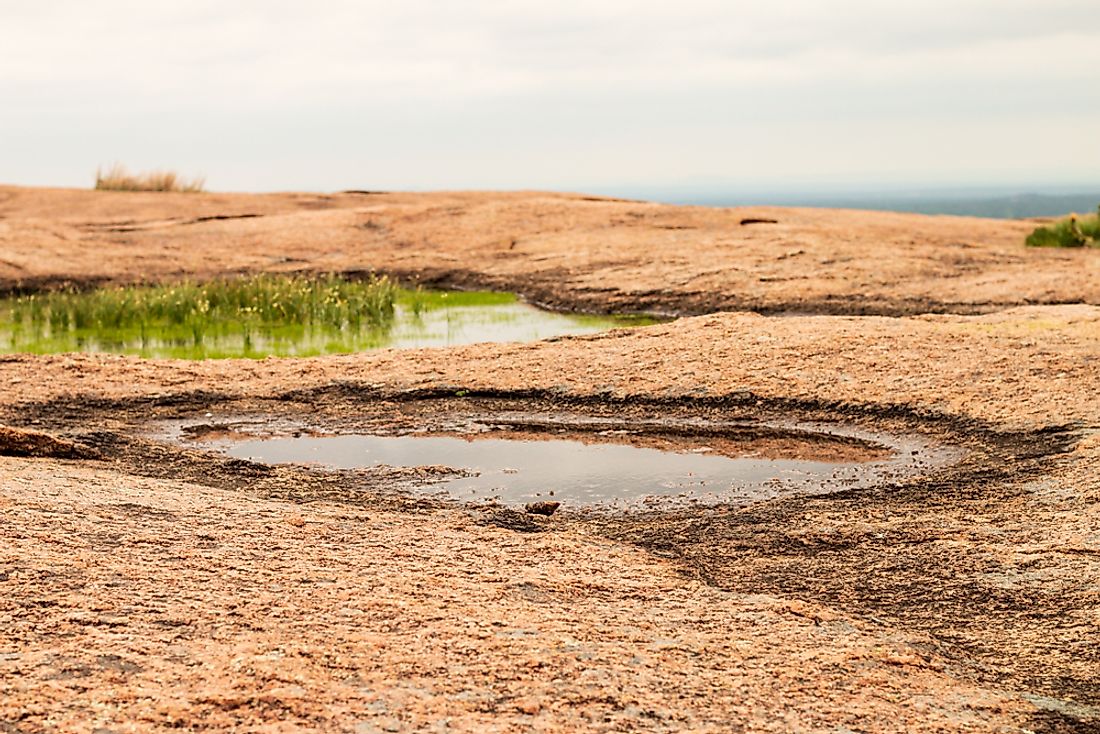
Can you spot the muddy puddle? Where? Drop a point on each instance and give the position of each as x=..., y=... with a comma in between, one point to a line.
x=591, y=463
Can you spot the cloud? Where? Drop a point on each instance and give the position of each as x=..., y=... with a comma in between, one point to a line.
x=479, y=47
x=565, y=73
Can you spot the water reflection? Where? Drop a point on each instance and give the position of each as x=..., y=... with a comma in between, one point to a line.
x=572, y=471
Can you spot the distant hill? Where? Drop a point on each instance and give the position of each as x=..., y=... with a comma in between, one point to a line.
x=1000, y=207
x=992, y=204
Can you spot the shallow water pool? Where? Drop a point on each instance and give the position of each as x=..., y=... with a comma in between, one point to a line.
x=418, y=319
x=585, y=470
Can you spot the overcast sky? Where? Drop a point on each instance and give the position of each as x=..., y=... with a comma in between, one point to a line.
x=573, y=94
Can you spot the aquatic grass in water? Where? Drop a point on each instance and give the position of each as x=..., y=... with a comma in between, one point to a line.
x=272, y=315
x=261, y=300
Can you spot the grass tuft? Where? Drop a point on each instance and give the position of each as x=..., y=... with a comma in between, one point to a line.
x=1070, y=232
x=117, y=178
x=260, y=300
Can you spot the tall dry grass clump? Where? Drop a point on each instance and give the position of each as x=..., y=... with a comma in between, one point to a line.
x=117, y=178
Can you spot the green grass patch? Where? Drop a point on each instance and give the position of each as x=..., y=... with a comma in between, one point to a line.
x=260, y=300
x=249, y=316
x=1069, y=232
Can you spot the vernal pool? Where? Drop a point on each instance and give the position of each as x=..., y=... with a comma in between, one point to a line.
x=276, y=316
x=593, y=469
